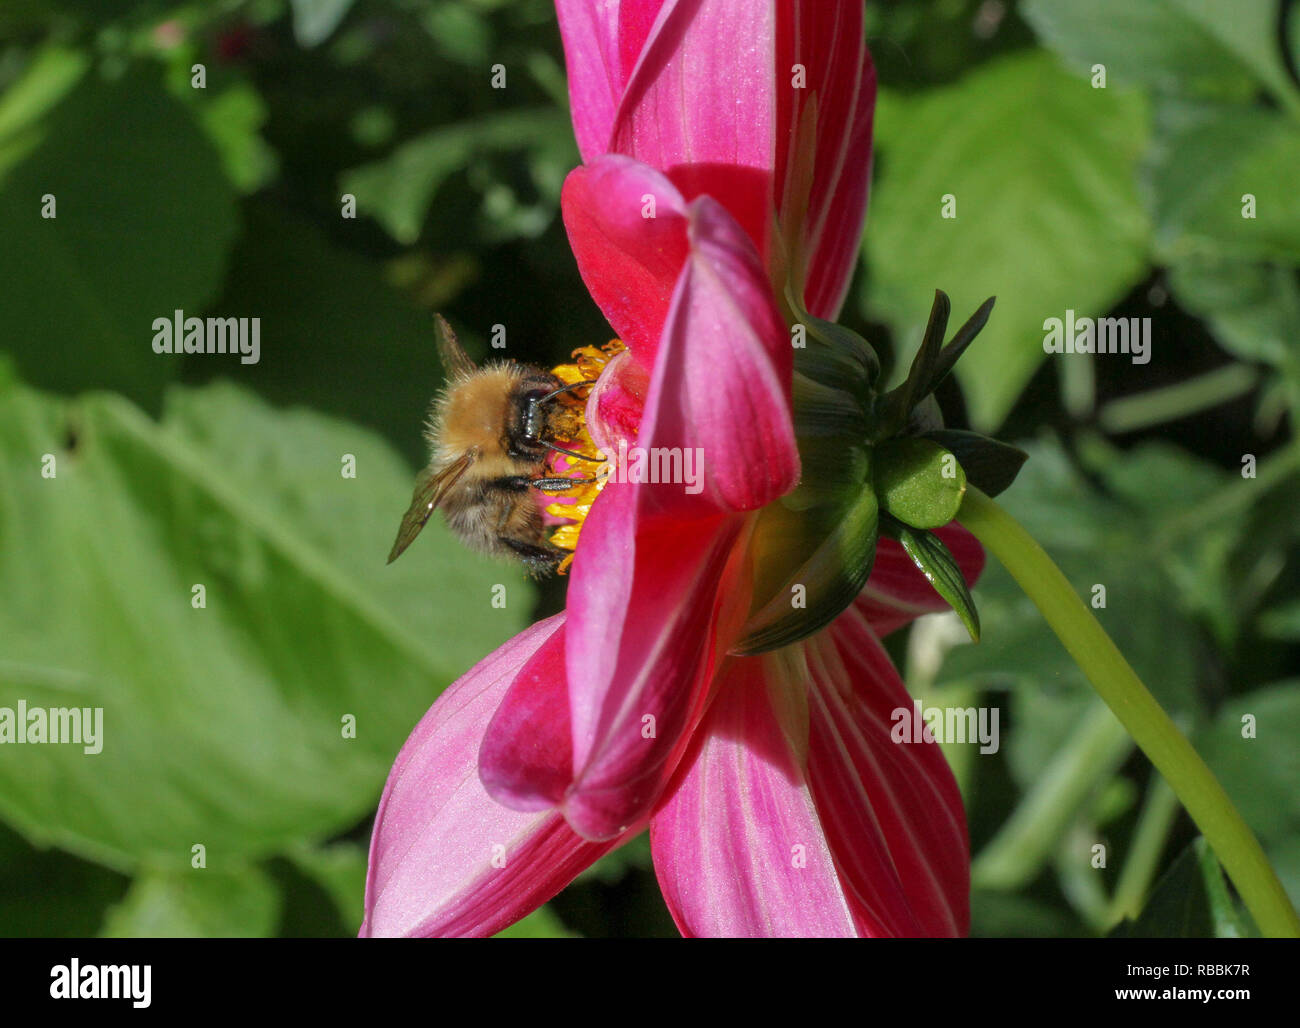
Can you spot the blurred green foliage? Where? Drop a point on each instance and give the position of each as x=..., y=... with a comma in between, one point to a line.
x=230, y=200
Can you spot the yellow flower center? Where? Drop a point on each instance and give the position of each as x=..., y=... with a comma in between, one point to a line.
x=589, y=475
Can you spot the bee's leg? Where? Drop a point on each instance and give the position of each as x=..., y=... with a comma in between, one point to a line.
x=539, y=559
x=510, y=483
x=519, y=484
x=559, y=485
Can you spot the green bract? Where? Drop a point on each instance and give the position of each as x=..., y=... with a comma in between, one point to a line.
x=872, y=462
x=919, y=482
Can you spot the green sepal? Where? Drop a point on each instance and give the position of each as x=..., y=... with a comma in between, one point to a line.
x=939, y=566
x=930, y=366
x=957, y=345
x=832, y=576
x=894, y=408
x=925, y=417
x=990, y=465
x=822, y=410
x=834, y=469
x=834, y=355
x=918, y=482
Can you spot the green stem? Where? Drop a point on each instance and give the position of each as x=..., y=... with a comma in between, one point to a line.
x=1157, y=406
x=1157, y=817
x=1078, y=388
x=1115, y=681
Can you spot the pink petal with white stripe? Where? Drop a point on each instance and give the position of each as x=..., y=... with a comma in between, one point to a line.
x=738, y=846
x=602, y=43
x=892, y=810
x=700, y=105
x=825, y=39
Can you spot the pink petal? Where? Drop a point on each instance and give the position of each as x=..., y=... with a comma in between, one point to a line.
x=892, y=811
x=722, y=383
x=896, y=593
x=649, y=569
x=644, y=612
x=629, y=262
x=526, y=760
x=826, y=38
x=437, y=832
x=616, y=403
x=602, y=42
x=691, y=280
x=704, y=91
x=739, y=847
x=700, y=105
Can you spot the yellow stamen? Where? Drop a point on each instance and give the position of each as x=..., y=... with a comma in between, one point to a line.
x=588, y=363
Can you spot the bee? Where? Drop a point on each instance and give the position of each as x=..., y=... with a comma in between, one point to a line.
x=490, y=433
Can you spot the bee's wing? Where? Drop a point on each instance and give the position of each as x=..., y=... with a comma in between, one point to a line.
x=455, y=361
x=431, y=488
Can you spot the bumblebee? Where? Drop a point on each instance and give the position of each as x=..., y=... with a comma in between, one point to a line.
x=490, y=432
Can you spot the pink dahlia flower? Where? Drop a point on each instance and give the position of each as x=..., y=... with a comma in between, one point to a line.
x=727, y=151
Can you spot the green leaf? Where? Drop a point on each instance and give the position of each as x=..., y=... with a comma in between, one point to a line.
x=50, y=894
x=339, y=869
x=50, y=74
x=1284, y=855
x=462, y=34
x=223, y=725
x=919, y=482
x=196, y=904
x=990, y=465
x=1181, y=46
x=1042, y=169
x=233, y=120
x=1191, y=901
x=314, y=21
x=1251, y=747
x=1002, y=914
x=1158, y=479
x=128, y=245
x=937, y=563
x=1206, y=160
x=1253, y=308
x=1281, y=622
x=398, y=190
